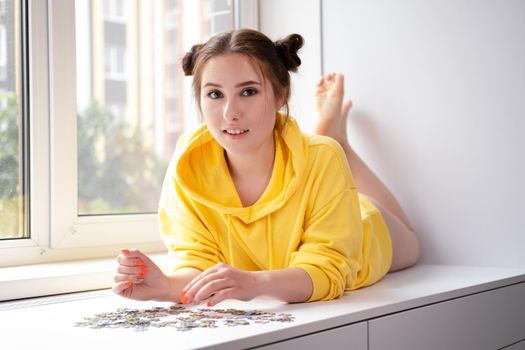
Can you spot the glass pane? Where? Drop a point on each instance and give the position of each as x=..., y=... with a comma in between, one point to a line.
x=132, y=96
x=12, y=126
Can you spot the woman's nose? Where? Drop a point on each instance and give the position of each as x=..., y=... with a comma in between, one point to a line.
x=232, y=110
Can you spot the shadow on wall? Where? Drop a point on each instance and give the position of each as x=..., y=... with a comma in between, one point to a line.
x=378, y=148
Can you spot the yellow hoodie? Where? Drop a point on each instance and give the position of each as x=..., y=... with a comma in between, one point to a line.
x=310, y=215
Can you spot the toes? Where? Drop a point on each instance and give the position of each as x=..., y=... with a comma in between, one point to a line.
x=338, y=83
x=340, y=78
x=320, y=83
x=332, y=83
x=329, y=78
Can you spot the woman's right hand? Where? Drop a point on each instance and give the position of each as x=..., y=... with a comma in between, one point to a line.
x=139, y=278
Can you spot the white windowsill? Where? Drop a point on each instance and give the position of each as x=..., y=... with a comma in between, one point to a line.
x=28, y=281
x=422, y=286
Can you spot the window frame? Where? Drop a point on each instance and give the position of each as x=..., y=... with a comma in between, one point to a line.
x=69, y=230
x=57, y=232
x=19, y=251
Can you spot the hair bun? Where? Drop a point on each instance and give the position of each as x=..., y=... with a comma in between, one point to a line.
x=288, y=48
x=188, y=61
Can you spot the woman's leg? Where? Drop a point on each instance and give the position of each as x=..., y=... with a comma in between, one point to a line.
x=332, y=117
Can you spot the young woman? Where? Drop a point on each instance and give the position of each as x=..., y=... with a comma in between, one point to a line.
x=251, y=205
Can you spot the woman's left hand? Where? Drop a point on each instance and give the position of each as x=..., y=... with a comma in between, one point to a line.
x=221, y=282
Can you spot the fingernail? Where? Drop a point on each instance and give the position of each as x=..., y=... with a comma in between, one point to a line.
x=209, y=304
x=128, y=283
x=125, y=251
x=139, y=263
x=183, y=297
x=139, y=279
x=143, y=271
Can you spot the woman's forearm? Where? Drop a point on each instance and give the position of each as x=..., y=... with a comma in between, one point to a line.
x=177, y=282
x=292, y=285
x=223, y=281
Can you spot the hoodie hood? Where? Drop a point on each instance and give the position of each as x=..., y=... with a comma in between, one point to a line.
x=203, y=175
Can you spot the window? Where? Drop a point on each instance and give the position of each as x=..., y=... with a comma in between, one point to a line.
x=127, y=75
x=87, y=155
x=13, y=125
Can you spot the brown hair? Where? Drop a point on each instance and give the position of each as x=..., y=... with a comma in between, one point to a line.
x=275, y=59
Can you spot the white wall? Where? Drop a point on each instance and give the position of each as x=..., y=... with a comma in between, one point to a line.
x=278, y=19
x=439, y=94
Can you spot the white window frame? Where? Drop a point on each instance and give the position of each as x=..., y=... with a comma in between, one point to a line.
x=57, y=232
x=68, y=229
x=32, y=250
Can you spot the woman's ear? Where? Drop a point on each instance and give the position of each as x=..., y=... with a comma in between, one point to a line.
x=279, y=103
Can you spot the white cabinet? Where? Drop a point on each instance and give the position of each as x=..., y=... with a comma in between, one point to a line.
x=517, y=346
x=487, y=320
x=490, y=319
x=352, y=337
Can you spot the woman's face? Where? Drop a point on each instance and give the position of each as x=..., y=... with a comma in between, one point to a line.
x=238, y=105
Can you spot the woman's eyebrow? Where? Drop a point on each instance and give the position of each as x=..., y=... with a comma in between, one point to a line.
x=246, y=83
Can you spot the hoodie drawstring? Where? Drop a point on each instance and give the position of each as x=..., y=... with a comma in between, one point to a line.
x=270, y=240
x=232, y=262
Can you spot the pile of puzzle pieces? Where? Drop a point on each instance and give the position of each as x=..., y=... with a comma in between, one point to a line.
x=180, y=318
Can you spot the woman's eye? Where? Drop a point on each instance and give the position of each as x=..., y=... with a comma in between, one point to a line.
x=249, y=92
x=214, y=94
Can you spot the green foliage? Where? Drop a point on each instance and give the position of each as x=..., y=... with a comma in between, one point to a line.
x=117, y=172
x=9, y=160
x=9, y=147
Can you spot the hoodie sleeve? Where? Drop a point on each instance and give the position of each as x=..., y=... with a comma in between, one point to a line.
x=330, y=251
x=189, y=242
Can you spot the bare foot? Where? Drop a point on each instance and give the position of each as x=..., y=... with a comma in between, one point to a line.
x=332, y=113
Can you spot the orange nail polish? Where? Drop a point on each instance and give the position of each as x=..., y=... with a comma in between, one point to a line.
x=183, y=297
x=143, y=271
x=210, y=304
x=139, y=263
x=128, y=283
x=124, y=251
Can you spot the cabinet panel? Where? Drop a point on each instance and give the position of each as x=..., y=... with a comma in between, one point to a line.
x=353, y=337
x=489, y=320
x=517, y=346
